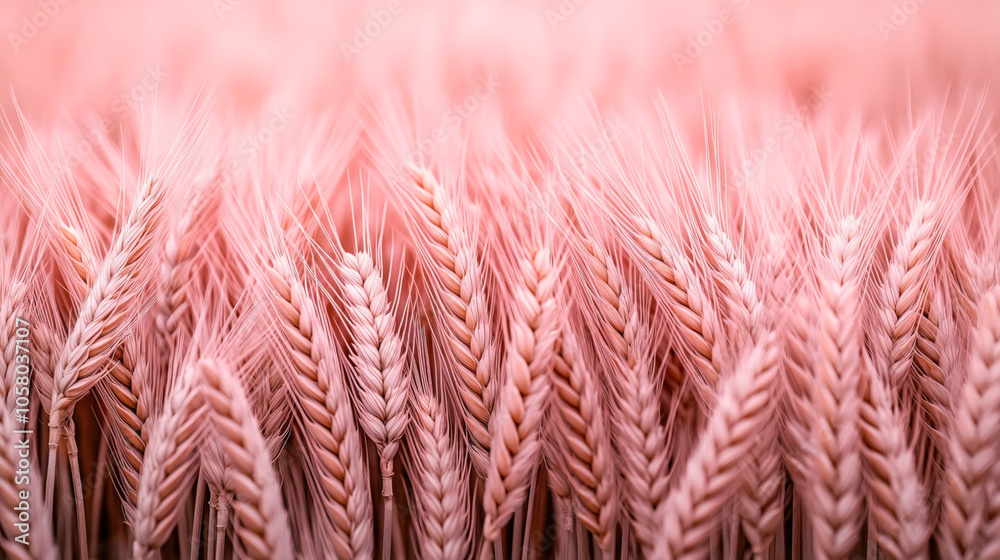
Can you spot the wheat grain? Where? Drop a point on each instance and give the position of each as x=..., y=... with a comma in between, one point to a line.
x=989, y=532
x=973, y=447
x=383, y=379
x=125, y=392
x=178, y=267
x=760, y=501
x=892, y=339
x=12, y=301
x=128, y=410
x=897, y=497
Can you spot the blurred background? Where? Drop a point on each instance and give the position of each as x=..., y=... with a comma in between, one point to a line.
x=67, y=58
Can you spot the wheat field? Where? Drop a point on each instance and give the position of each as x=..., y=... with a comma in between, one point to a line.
x=499, y=285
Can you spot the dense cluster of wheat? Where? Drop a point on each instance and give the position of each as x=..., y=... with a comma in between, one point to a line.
x=355, y=349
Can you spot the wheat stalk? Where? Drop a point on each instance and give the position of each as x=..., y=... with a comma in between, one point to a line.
x=327, y=421
x=218, y=475
x=461, y=298
x=712, y=473
x=973, y=448
x=262, y=520
x=515, y=451
x=440, y=478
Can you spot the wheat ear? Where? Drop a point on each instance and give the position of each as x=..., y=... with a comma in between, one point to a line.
x=451, y=255
x=169, y=465
x=892, y=339
x=11, y=302
x=515, y=452
x=712, y=473
x=439, y=475
x=122, y=391
x=832, y=464
x=760, y=500
x=682, y=295
x=974, y=451
x=897, y=497
x=639, y=437
x=177, y=268
x=111, y=303
x=325, y=414
x=262, y=520
x=587, y=451
x=129, y=410
x=931, y=421
x=383, y=378
x=735, y=280
x=799, y=416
